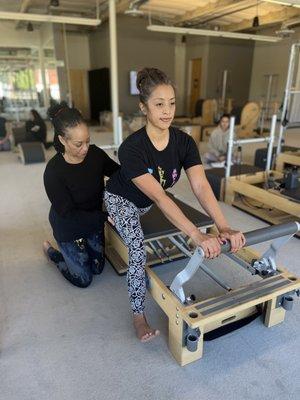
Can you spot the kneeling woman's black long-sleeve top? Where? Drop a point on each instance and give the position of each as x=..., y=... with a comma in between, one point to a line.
x=75, y=192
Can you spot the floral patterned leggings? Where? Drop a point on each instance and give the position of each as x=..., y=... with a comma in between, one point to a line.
x=126, y=217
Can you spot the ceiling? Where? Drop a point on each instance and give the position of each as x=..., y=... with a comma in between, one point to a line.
x=231, y=15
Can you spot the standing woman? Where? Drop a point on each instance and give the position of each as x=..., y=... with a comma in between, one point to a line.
x=74, y=182
x=151, y=161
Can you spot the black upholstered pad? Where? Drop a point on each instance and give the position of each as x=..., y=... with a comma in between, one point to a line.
x=234, y=170
x=154, y=223
x=215, y=176
x=293, y=194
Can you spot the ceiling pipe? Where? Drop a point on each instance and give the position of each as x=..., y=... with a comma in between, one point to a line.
x=58, y=19
x=206, y=32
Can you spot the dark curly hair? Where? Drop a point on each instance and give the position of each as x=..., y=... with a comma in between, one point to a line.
x=62, y=118
x=148, y=79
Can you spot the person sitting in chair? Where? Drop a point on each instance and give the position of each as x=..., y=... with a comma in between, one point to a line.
x=5, y=132
x=36, y=129
x=218, y=140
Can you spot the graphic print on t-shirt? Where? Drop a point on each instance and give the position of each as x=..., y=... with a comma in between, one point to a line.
x=174, y=176
x=161, y=174
x=150, y=170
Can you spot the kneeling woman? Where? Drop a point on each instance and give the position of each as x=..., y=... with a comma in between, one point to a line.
x=74, y=182
x=151, y=161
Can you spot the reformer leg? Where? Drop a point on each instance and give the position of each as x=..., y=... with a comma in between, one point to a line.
x=177, y=344
x=273, y=315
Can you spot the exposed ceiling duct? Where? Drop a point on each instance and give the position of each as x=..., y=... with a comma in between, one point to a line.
x=215, y=33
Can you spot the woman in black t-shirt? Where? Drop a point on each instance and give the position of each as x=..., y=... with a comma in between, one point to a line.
x=74, y=182
x=151, y=161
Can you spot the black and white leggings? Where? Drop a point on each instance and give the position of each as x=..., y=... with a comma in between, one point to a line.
x=126, y=217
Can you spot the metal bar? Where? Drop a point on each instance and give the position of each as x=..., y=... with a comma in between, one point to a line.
x=119, y=131
x=224, y=87
x=240, y=291
x=163, y=250
x=271, y=142
x=242, y=263
x=213, y=276
x=183, y=242
x=180, y=246
x=248, y=297
x=230, y=146
x=155, y=251
x=43, y=72
x=265, y=234
x=67, y=65
x=253, y=140
x=286, y=95
x=114, y=67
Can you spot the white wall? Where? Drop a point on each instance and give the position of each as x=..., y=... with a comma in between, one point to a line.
x=271, y=58
x=78, y=51
x=137, y=48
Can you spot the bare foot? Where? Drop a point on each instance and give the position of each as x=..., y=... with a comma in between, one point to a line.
x=46, y=246
x=143, y=330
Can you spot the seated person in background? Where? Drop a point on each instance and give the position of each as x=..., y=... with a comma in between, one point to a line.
x=218, y=140
x=36, y=129
x=5, y=132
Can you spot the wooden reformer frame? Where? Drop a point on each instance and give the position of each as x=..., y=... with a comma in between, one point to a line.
x=212, y=313
x=242, y=192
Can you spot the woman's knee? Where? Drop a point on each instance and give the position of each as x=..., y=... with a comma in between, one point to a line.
x=82, y=281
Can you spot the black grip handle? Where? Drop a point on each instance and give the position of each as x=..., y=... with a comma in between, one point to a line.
x=265, y=234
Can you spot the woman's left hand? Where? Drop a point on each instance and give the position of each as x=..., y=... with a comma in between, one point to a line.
x=236, y=238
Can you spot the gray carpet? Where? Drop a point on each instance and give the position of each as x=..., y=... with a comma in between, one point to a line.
x=60, y=342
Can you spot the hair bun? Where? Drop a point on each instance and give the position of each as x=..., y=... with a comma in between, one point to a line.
x=148, y=79
x=55, y=109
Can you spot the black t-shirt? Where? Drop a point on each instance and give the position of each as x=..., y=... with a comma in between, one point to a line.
x=138, y=156
x=75, y=192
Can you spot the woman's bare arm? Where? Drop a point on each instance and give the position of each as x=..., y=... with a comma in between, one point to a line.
x=208, y=201
x=151, y=188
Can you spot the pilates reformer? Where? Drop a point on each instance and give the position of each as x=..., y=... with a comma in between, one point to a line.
x=193, y=320
x=257, y=193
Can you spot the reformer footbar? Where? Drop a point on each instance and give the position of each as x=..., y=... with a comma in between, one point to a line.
x=264, y=266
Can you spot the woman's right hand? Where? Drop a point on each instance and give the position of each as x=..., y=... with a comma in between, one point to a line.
x=210, y=244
